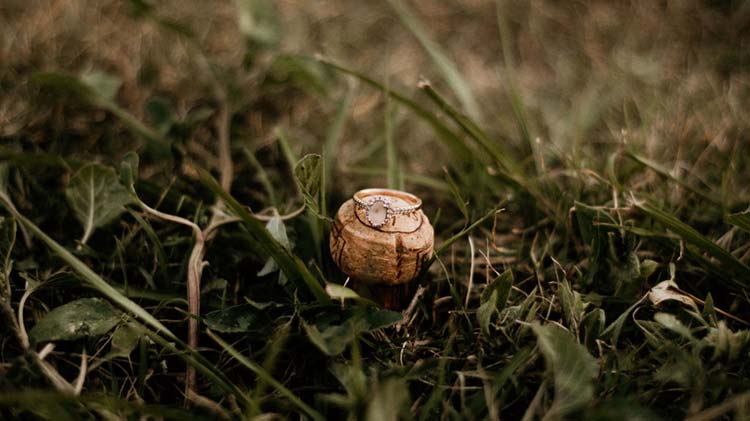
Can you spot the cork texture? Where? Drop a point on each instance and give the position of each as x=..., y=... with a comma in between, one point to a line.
x=392, y=254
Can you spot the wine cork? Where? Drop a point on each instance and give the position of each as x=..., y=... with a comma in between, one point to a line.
x=391, y=255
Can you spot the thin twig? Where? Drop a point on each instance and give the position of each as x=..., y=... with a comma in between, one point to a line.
x=81, y=379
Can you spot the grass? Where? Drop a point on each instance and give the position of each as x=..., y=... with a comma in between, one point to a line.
x=584, y=166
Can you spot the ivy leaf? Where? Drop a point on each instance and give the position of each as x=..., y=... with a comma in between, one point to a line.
x=86, y=317
x=573, y=369
x=96, y=197
x=308, y=173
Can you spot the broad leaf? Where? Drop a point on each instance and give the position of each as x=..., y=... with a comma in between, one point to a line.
x=341, y=292
x=308, y=172
x=573, y=369
x=96, y=197
x=86, y=317
x=333, y=340
x=671, y=322
x=125, y=339
x=235, y=319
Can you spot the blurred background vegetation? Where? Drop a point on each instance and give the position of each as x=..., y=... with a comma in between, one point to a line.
x=613, y=134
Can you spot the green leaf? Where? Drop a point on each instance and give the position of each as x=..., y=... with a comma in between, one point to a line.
x=615, y=328
x=573, y=305
x=308, y=173
x=485, y=312
x=333, y=340
x=670, y=322
x=91, y=277
x=741, y=220
x=573, y=369
x=96, y=197
x=129, y=167
x=377, y=318
x=337, y=291
x=124, y=340
x=236, y=319
x=86, y=317
x=103, y=85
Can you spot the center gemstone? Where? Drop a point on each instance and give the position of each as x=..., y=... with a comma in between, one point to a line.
x=377, y=214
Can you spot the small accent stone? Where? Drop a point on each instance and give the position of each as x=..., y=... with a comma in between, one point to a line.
x=377, y=214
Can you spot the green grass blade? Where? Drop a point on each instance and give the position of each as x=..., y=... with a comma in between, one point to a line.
x=654, y=166
x=692, y=236
x=201, y=364
x=740, y=220
x=446, y=135
x=444, y=64
x=91, y=277
x=262, y=175
x=447, y=243
x=266, y=377
x=418, y=179
x=394, y=179
x=473, y=130
x=335, y=133
x=289, y=263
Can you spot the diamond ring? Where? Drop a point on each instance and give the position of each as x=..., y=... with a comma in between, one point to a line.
x=379, y=207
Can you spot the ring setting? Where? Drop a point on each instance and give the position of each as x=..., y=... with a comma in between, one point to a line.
x=379, y=209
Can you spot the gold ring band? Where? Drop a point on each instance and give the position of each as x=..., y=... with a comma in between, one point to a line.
x=379, y=208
